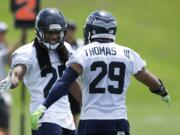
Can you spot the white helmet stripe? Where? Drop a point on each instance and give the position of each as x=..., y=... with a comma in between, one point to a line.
x=103, y=36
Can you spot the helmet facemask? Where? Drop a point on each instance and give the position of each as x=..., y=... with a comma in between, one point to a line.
x=51, y=37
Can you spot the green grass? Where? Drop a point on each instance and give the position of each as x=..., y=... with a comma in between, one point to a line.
x=149, y=27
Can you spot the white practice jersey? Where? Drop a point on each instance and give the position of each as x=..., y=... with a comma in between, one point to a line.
x=40, y=82
x=107, y=69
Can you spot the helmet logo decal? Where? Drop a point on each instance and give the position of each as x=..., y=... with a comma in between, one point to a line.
x=91, y=20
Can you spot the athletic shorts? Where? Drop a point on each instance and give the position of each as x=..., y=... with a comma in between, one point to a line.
x=52, y=129
x=104, y=127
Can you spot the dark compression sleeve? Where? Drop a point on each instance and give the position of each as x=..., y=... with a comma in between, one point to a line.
x=61, y=86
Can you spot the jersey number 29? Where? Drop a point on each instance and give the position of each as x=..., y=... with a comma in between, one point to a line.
x=108, y=70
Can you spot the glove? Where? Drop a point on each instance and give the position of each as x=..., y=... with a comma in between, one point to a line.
x=35, y=116
x=167, y=99
x=163, y=92
x=6, y=83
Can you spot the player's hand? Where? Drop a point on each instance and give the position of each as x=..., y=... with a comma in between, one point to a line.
x=35, y=116
x=167, y=99
x=6, y=83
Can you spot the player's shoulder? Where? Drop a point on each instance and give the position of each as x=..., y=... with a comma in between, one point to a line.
x=120, y=46
x=124, y=48
x=128, y=52
x=27, y=48
x=25, y=52
x=80, y=49
x=24, y=55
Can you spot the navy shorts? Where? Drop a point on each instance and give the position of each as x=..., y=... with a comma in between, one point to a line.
x=104, y=127
x=52, y=129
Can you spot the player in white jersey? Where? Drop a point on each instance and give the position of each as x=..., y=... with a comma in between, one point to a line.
x=106, y=69
x=40, y=64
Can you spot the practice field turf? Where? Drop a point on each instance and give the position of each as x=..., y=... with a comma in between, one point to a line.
x=152, y=28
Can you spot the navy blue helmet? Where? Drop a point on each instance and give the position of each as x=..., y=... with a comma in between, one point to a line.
x=100, y=25
x=49, y=21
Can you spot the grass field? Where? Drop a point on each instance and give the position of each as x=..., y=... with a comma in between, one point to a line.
x=152, y=28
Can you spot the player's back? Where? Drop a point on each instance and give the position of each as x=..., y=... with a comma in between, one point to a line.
x=107, y=68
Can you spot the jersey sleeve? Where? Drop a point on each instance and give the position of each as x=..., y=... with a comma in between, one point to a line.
x=21, y=56
x=75, y=57
x=68, y=47
x=137, y=62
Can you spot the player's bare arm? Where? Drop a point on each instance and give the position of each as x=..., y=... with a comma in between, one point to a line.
x=75, y=90
x=17, y=75
x=147, y=78
x=154, y=83
x=77, y=68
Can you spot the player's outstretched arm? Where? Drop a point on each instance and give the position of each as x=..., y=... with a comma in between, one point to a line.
x=13, y=78
x=154, y=83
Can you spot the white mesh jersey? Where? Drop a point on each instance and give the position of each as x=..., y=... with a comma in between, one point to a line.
x=39, y=82
x=107, y=68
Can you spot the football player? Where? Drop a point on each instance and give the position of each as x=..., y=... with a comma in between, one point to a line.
x=40, y=63
x=106, y=68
